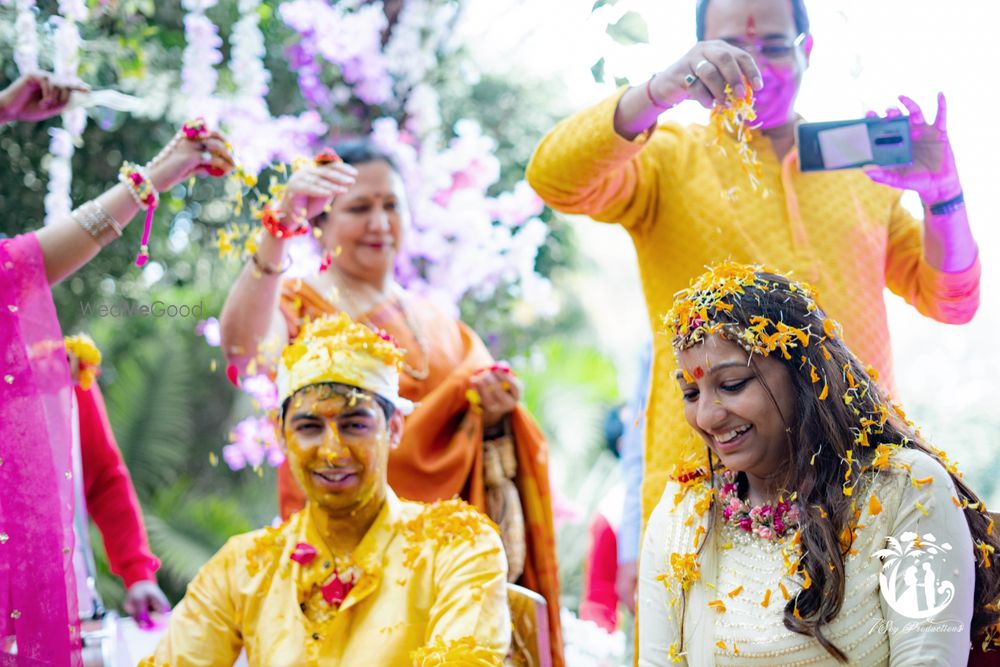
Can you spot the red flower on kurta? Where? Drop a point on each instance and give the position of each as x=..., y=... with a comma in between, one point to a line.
x=336, y=591
x=304, y=553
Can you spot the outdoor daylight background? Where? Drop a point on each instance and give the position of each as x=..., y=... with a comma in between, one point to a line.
x=463, y=89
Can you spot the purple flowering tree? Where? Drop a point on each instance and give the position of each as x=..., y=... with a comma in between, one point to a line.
x=366, y=69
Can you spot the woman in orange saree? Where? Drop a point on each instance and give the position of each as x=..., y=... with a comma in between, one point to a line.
x=489, y=451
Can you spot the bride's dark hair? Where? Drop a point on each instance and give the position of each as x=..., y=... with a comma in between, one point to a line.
x=838, y=408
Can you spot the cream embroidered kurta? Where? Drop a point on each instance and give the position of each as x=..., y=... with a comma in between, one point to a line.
x=868, y=629
x=435, y=583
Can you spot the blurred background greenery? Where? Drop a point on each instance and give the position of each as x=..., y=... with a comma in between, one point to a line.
x=169, y=402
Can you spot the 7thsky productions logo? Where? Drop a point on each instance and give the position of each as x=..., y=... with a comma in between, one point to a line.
x=911, y=581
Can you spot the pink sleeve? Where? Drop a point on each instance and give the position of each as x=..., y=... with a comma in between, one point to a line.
x=952, y=298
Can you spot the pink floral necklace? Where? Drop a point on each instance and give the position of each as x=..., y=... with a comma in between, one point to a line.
x=768, y=522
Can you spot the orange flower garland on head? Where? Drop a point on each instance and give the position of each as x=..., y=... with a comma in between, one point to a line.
x=707, y=307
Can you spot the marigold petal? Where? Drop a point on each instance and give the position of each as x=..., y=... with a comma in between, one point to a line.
x=784, y=591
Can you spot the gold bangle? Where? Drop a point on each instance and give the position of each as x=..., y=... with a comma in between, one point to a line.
x=267, y=268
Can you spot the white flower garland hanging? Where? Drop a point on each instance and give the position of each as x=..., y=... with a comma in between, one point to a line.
x=26, y=44
x=66, y=66
x=246, y=64
x=201, y=55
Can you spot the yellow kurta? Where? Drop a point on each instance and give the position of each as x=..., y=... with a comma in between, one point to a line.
x=433, y=592
x=687, y=205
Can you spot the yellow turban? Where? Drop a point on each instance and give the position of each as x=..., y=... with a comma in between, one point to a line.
x=335, y=348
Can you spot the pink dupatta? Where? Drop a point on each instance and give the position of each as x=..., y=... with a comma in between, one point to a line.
x=38, y=606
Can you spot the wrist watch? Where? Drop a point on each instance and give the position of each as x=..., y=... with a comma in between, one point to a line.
x=949, y=206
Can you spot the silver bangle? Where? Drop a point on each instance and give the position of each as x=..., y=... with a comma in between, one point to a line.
x=97, y=222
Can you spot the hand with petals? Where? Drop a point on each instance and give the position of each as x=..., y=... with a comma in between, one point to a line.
x=144, y=598
x=712, y=65
x=310, y=191
x=499, y=391
x=207, y=155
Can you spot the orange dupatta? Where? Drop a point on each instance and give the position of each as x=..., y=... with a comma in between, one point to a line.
x=441, y=452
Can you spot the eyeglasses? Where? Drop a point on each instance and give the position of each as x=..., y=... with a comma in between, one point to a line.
x=772, y=49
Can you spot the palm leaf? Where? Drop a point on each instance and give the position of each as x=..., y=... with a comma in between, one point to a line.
x=181, y=553
x=151, y=413
x=186, y=528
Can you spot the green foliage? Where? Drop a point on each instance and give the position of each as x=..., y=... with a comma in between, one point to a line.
x=569, y=387
x=561, y=373
x=186, y=528
x=589, y=479
x=517, y=113
x=969, y=437
x=168, y=400
x=170, y=412
x=150, y=403
x=109, y=587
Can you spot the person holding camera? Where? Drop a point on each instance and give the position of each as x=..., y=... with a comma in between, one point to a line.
x=686, y=203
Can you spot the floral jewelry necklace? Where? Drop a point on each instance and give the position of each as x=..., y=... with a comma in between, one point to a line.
x=769, y=522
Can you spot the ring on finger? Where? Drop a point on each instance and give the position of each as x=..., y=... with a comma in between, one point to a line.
x=206, y=156
x=701, y=63
x=690, y=80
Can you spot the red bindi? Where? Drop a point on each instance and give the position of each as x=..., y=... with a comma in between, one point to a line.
x=698, y=372
x=751, y=27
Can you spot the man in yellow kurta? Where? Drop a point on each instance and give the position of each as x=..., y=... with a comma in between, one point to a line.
x=687, y=204
x=359, y=577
